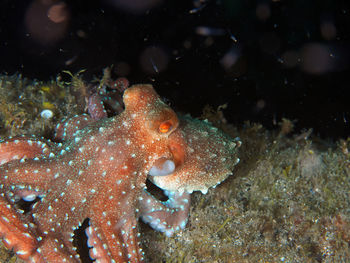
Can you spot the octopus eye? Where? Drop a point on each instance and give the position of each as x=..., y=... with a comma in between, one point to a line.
x=165, y=127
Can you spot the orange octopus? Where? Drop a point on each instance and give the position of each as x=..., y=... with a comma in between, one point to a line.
x=99, y=171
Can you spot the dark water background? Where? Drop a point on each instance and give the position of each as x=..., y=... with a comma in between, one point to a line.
x=267, y=59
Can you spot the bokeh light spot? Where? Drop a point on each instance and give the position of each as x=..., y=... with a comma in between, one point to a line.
x=47, y=21
x=316, y=58
x=328, y=30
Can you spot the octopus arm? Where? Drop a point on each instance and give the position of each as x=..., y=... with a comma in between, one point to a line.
x=16, y=234
x=22, y=148
x=49, y=251
x=27, y=179
x=66, y=130
x=167, y=217
x=113, y=242
x=96, y=108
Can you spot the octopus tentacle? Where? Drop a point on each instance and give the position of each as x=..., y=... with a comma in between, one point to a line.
x=67, y=128
x=113, y=98
x=50, y=251
x=16, y=234
x=21, y=148
x=167, y=217
x=20, y=152
x=28, y=178
x=114, y=240
x=97, y=250
x=96, y=108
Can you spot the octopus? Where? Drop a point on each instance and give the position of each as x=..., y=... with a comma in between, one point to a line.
x=96, y=169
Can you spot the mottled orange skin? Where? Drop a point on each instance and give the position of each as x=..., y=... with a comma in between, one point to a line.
x=99, y=174
x=208, y=158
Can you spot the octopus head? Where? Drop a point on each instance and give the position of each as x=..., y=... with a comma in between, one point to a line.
x=208, y=158
x=157, y=126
